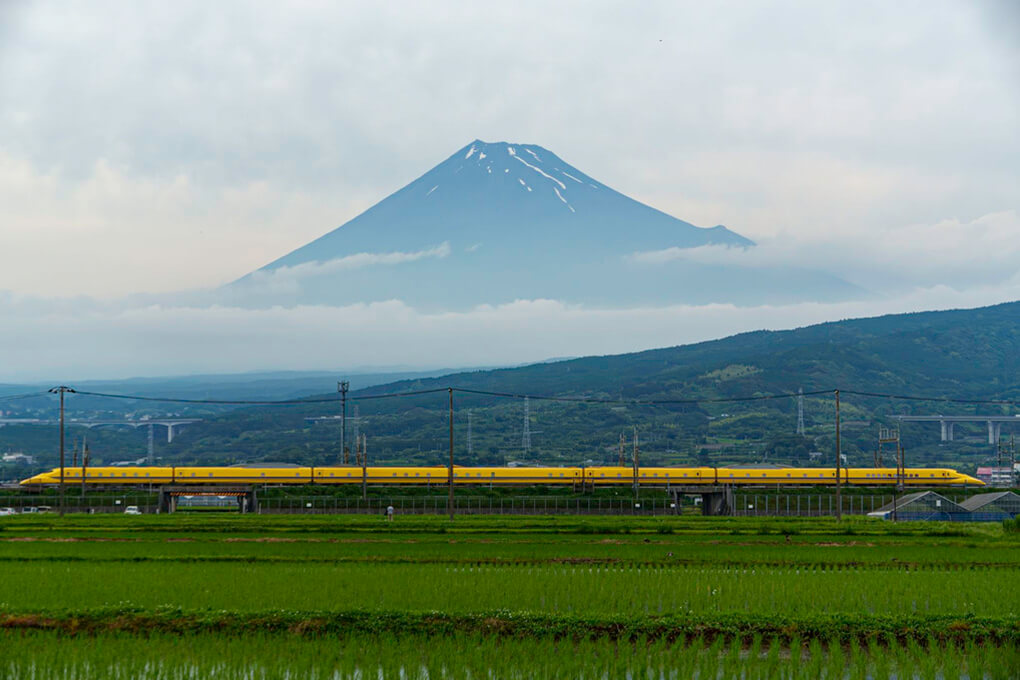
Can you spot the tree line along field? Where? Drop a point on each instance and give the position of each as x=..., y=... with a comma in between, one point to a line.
x=337, y=596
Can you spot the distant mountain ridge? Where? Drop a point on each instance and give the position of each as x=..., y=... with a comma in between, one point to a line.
x=496, y=222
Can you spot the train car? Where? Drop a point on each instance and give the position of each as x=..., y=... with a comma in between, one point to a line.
x=505, y=476
x=614, y=475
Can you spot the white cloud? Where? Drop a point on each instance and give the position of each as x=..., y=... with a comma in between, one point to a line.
x=289, y=278
x=152, y=147
x=73, y=340
x=160, y=146
x=954, y=253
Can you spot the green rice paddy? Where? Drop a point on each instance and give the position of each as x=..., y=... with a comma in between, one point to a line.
x=346, y=597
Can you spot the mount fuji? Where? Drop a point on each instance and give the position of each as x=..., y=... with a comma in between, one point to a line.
x=497, y=222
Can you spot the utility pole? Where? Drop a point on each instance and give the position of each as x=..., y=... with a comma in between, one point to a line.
x=470, y=448
x=1012, y=460
x=61, y=391
x=621, y=449
x=839, y=471
x=356, y=423
x=636, y=467
x=364, y=466
x=999, y=450
x=84, y=463
x=800, y=411
x=526, y=437
x=342, y=386
x=450, y=501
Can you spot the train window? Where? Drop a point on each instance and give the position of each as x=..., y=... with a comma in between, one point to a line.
x=405, y=474
x=416, y=474
x=348, y=474
x=561, y=474
x=602, y=474
x=787, y=474
x=618, y=474
x=263, y=474
x=492, y=474
x=685, y=474
x=655, y=474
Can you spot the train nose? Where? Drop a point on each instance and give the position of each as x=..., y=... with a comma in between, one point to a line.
x=967, y=479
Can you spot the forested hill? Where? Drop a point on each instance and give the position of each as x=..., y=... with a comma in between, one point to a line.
x=960, y=354
x=963, y=354
x=969, y=353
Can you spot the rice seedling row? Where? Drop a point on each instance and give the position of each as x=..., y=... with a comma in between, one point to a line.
x=565, y=589
x=38, y=655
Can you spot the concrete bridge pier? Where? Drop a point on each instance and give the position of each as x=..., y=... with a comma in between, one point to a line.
x=994, y=429
x=715, y=500
x=947, y=430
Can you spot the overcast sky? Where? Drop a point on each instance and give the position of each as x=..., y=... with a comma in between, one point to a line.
x=152, y=147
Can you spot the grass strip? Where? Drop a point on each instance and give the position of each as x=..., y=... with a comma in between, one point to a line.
x=516, y=562
x=468, y=524
x=863, y=629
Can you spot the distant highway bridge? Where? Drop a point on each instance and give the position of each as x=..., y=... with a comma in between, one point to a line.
x=949, y=422
x=169, y=423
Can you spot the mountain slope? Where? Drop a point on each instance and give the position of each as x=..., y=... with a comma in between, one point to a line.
x=497, y=222
x=960, y=354
x=969, y=353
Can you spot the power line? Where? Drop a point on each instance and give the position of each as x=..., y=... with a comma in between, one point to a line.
x=27, y=395
x=252, y=402
x=914, y=397
x=523, y=395
x=640, y=402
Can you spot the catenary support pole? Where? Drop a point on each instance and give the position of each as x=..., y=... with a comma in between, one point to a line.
x=839, y=471
x=364, y=466
x=61, y=391
x=450, y=501
x=342, y=387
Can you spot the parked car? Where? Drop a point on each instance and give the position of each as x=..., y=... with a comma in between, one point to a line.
x=132, y=510
x=7, y=512
x=30, y=510
x=45, y=508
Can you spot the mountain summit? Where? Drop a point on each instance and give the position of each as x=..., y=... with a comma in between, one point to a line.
x=496, y=222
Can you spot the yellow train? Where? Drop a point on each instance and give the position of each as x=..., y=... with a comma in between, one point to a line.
x=504, y=476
